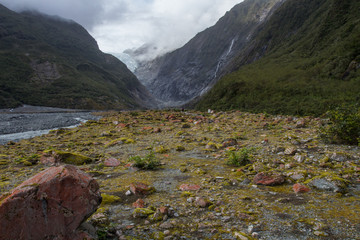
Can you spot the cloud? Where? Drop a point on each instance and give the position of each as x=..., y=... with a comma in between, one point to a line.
x=118, y=25
x=84, y=12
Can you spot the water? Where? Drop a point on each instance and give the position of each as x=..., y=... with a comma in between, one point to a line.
x=17, y=126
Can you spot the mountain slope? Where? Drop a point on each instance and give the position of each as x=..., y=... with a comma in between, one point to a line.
x=187, y=72
x=310, y=60
x=54, y=62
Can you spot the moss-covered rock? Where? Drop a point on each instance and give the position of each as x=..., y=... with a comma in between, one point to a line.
x=109, y=199
x=142, y=212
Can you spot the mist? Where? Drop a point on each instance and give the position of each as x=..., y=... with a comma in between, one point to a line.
x=118, y=25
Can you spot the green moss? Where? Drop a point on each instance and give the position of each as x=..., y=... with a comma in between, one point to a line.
x=142, y=212
x=180, y=148
x=109, y=199
x=162, y=150
x=73, y=158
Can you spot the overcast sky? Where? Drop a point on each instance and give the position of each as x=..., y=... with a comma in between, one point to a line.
x=118, y=25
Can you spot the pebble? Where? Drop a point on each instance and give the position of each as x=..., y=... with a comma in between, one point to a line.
x=166, y=225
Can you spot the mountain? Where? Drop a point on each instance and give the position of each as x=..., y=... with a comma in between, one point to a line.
x=187, y=72
x=304, y=60
x=49, y=61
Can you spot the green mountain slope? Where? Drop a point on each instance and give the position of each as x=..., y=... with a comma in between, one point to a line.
x=54, y=62
x=304, y=60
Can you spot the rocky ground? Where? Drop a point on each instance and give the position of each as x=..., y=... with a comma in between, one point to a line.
x=226, y=175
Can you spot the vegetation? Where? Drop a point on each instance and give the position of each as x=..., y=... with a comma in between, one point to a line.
x=343, y=127
x=53, y=62
x=310, y=64
x=149, y=162
x=196, y=191
x=239, y=158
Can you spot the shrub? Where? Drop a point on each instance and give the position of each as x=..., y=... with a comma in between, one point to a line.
x=239, y=158
x=149, y=162
x=343, y=126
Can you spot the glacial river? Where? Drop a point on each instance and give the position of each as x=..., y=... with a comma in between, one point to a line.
x=17, y=124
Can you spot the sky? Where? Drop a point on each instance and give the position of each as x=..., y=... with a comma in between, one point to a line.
x=118, y=25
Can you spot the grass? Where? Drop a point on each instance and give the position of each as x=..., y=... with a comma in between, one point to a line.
x=149, y=162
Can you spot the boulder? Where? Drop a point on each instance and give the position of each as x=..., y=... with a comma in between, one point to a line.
x=50, y=205
x=268, y=180
x=189, y=187
x=140, y=203
x=139, y=188
x=202, y=202
x=54, y=157
x=324, y=184
x=111, y=162
x=299, y=188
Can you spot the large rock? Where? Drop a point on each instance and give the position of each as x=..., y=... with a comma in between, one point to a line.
x=268, y=180
x=50, y=205
x=335, y=185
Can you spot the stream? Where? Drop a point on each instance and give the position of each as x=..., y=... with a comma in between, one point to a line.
x=28, y=121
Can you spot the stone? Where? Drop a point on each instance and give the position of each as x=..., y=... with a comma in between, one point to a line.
x=201, y=202
x=299, y=158
x=139, y=188
x=142, y=212
x=268, y=180
x=328, y=185
x=50, y=205
x=166, y=225
x=339, y=157
x=189, y=187
x=299, y=188
x=164, y=210
x=290, y=151
x=300, y=123
x=140, y=203
x=57, y=157
x=229, y=142
x=112, y=162
x=157, y=130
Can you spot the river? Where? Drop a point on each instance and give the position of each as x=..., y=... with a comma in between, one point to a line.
x=29, y=121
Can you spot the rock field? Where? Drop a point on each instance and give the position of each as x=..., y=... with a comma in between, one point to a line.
x=194, y=175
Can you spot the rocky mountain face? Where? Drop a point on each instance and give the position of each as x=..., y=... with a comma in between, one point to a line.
x=50, y=61
x=190, y=71
x=304, y=60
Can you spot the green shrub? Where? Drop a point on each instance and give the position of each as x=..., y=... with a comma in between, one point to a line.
x=239, y=158
x=149, y=162
x=343, y=126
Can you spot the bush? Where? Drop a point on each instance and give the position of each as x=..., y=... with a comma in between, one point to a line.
x=343, y=126
x=239, y=158
x=149, y=162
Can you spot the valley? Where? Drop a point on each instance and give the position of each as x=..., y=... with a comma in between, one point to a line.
x=251, y=130
x=206, y=191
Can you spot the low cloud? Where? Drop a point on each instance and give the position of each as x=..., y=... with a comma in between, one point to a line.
x=118, y=25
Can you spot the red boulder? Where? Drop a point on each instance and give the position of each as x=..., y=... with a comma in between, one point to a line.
x=50, y=205
x=139, y=188
x=268, y=180
x=112, y=162
x=140, y=203
x=189, y=187
x=299, y=188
